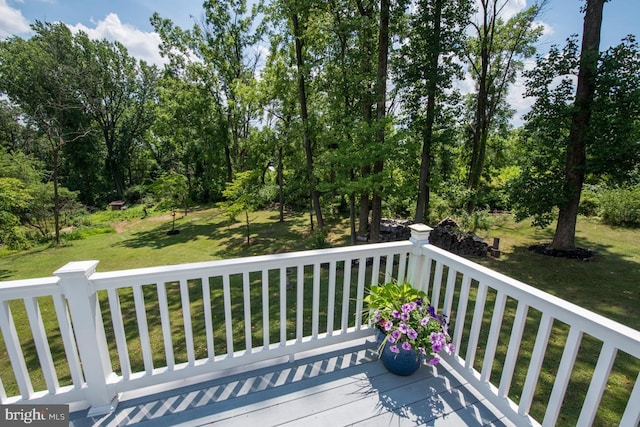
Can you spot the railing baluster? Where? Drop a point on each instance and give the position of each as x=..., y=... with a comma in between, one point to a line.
x=402, y=268
x=346, y=290
x=535, y=365
x=427, y=274
x=449, y=291
x=208, y=322
x=437, y=284
x=42, y=345
x=461, y=312
x=246, y=297
x=228, y=321
x=163, y=305
x=631, y=416
x=332, y=296
x=299, y=302
x=3, y=393
x=143, y=329
x=186, y=318
x=509, y=367
x=283, y=306
x=265, y=311
x=598, y=384
x=388, y=268
x=12, y=344
x=68, y=340
x=563, y=376
x=315, y=318
x=362, y=268
x=118, y=332
x=494, y=334
x=375, y=271
x=476, y=325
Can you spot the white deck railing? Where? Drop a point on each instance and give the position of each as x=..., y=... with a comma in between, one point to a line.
x=125, y=330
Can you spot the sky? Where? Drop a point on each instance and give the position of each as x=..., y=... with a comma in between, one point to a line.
x=127, y=21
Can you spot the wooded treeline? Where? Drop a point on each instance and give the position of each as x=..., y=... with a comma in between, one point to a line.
x=339, y=106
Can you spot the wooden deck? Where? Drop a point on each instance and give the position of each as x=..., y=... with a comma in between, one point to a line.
x=339, y=386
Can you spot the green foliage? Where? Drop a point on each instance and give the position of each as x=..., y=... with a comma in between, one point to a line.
x=390, y=296
x=317, y=240
x=620, y=206
x=612, y=148
x=242, y=194
x=590, y=200
x=171, y=191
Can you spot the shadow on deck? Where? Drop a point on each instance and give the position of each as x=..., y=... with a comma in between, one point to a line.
x=346, y=385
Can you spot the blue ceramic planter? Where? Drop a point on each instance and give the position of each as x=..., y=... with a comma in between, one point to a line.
x=404, y=363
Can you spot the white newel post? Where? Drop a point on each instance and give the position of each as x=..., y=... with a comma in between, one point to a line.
x=89, y=331
x=419, y=237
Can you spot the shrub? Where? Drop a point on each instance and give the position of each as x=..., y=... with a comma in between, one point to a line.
x=621, y=206
x=589, y=200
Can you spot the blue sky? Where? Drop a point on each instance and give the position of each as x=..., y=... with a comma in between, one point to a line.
x=128, y=22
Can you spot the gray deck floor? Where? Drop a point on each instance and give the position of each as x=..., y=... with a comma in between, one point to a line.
x=346, y=386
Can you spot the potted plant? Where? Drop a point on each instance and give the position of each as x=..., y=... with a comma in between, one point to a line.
x=411, y=329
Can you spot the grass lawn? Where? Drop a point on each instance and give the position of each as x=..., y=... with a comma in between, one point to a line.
x=609, y=284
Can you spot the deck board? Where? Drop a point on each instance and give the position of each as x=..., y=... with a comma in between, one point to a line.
x=343, y=386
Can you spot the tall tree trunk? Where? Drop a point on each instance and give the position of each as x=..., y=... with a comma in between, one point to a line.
x=308, y=146
x=381, y=110
x=564, y=238
x=366, y=12
x=280, y=185
x=56, y=194
x=481, y=125
x=422, y=205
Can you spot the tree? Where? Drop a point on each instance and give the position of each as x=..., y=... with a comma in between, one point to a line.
x=426, y=68
x=119, y=96
x=223, y=44
x=171, y=189
x=242, y=196
x=611, y=154
x=43, y=76
x=494, y=57
x=564, y=237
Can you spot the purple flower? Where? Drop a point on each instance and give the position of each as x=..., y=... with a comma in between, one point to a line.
x=404, y=316
x=403, y=328
x=438, y=341
x=388, y=325
x=395, y=314
x=424, y=321
x=406, y=346
x=422, y=350
x=396, y=334
x=376, y=317
x=394, y=349
x=432, y=311
x=450, y=349
x=419, y=302
x=412, y=334
x=409, y=307
x=391, y=339
x=434, y=361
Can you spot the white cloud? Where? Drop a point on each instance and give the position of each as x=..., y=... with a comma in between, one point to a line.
x=11, y=21
x=140, y=44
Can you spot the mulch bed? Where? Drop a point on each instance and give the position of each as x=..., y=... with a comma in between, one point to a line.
x=577, y=253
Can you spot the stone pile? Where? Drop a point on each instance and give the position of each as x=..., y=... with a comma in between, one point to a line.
x=446, y=235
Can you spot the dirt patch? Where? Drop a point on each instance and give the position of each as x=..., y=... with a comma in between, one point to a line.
x=577, y=253
x=167, y=217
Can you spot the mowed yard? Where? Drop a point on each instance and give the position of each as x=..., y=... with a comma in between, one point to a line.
x=608, y=284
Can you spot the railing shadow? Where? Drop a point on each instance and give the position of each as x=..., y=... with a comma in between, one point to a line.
x=361, y=386
x=210, y=400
